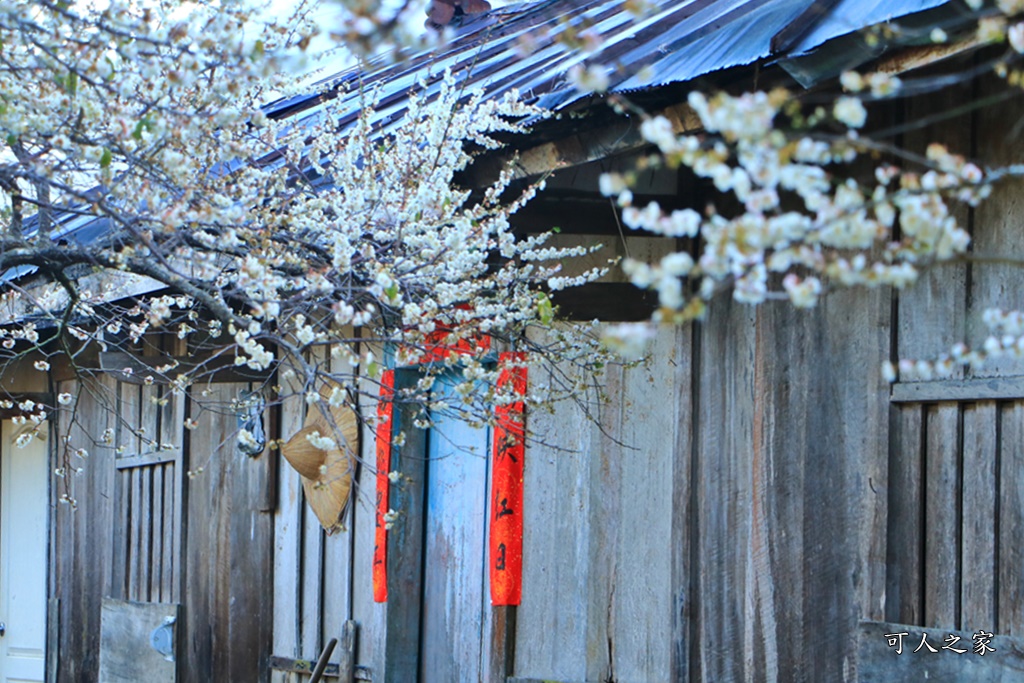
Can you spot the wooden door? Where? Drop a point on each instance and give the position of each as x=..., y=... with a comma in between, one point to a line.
x=23, y=527
x=454, y=591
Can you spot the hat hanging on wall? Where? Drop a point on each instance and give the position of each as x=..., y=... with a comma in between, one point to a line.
x=326, y=473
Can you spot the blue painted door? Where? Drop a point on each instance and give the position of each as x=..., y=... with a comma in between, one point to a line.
x=454, y=581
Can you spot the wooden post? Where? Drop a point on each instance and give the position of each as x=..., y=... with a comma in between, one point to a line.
x=347, y=661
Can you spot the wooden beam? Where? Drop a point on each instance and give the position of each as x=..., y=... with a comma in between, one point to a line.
x=620, y=137
x=987, y=389
x=347, y=656
x=213, y=367
x=926, y=55
x=146, y=459
x=605, y=301
x=578, y=215
x=301, y=666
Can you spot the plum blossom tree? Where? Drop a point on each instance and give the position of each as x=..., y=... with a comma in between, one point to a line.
x=300, y=248
x=307, y=249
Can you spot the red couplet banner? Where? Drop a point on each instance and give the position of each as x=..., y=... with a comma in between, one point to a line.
x=385, y=410
x=506, y=542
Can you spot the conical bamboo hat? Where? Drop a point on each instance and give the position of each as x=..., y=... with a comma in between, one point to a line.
x=326, y=474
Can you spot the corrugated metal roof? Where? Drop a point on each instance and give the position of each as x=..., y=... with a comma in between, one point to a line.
x=526, y=46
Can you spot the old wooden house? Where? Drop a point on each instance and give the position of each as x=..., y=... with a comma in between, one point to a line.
x=755, y=502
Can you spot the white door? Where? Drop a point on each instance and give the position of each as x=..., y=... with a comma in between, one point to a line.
x=23, y=510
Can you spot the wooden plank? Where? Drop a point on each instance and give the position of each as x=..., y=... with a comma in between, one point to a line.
x=932, y=313
x=129, y=411
x=311, y=563
x=550, y=641
x=312, y=578
x=1010, y=605
x=942, y=516
x=207, y=553
x=146, y=514
x=978, y=548
x=52, y=639
x=301, y=666
x=980, y=389
x=248, y=576
x=136, y=523
x=147, y=459
x=149, y=422
x=287, y=542
x=905, y=549
x=371, y=643
x=126, y=655
x=723, y=475
x=159, y=517
x=606, y=509
x=174, y=480
x=641, y=585
x=685, y=575
x=347, y=652
x=172, y=515
x=877, y=662
x=581, y=148
x=406, y=546
x=120, y=533
x=500, y=646
x=336, y=580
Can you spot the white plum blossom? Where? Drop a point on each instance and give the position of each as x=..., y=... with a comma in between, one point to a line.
x=1015, y=35
x=592, y=78
x=850, y=111
x=629, y=340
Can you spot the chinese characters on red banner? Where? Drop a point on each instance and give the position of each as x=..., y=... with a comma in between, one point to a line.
x=385, y=410
x=506, y=543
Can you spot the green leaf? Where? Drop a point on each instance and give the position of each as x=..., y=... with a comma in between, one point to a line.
x=392, y=291
x=372, y=369
x=105, y=158
x=72, y=83
x=137, y=133
x=11, y=140
x=556, y=230
x=545, y=310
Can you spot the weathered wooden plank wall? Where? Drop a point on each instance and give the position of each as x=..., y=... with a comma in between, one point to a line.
x=229, y=553
x=312, y=571
x=954, y=530
x=145, y=532
x=81, y=557
x=962, y=519
x=597, y=547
